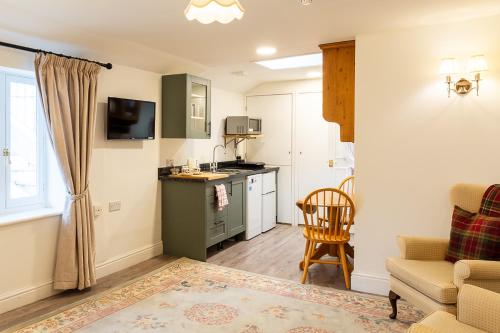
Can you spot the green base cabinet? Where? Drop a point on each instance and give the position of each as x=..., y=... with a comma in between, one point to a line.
x=186, y=107
x=236, y=212
x=191, y=221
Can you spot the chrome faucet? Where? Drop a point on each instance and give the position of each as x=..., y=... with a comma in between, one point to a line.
x=213, y=165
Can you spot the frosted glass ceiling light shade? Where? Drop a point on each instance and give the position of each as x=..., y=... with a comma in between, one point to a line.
x=208, y=11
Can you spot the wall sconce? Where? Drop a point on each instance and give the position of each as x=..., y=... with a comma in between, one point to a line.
x=475, y=65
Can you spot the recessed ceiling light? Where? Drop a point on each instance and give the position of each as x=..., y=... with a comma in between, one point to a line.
x=266, y=50
x=240, y=73
x=305, y=2
x=314, y=75
x=310, y=60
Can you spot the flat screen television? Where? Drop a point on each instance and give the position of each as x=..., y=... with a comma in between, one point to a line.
x=130, y=119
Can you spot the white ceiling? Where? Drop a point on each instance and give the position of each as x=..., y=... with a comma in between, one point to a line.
x=154, y=34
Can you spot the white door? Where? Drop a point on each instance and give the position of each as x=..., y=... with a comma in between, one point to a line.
x=315, y=141
x=275, y=146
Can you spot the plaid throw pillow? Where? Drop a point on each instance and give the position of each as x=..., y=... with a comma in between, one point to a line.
x=473, y=236
x=490, y=205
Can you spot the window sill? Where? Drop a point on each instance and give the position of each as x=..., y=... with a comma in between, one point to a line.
x=28, y=216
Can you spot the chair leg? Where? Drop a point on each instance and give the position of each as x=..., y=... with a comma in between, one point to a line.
x=393, y=298
x=301, y=265
x=306, y=261
x=345, y=268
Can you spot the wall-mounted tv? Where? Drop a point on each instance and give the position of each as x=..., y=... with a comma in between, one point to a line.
x=130, y=119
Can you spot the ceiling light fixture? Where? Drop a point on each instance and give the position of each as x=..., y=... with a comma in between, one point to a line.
x=305, y=2
x=266, y=50
x=208, y=11
x=309, y=60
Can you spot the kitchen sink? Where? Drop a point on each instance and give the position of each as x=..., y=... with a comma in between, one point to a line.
x=228, y=171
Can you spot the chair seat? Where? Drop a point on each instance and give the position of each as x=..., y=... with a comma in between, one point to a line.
x=433, y=278
x=315, y=236
x=444, y=322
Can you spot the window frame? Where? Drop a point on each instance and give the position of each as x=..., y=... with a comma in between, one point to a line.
x=9, y=205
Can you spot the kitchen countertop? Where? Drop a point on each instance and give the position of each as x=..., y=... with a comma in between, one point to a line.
x=231, y=176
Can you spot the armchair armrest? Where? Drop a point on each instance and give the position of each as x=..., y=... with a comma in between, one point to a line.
x=422, y=248
x=479, y=308
x=482, y=273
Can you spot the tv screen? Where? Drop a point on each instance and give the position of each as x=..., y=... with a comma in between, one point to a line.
x=130, y=119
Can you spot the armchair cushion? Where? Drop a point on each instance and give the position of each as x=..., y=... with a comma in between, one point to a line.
x=467, y=196
x=422, y=248
x=431, y=277
x=473, y=236
x=481, y=273
x=479, y=308
x=442, y=322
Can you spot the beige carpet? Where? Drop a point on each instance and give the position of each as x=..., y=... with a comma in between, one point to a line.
x=190, y=296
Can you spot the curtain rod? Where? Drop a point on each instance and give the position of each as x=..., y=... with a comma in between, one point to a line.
x=29, y=49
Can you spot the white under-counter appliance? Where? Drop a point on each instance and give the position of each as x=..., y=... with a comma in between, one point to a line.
x=243, y=125
x=254, y=206
x=268, y=201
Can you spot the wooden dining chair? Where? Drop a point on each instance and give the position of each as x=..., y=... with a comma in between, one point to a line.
x=347, y=186
x=328, y=216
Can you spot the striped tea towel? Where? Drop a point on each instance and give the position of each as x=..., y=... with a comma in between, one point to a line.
x=220, y=193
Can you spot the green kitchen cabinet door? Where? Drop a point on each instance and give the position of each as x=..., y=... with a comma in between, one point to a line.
x=186, y=107
x=236, y=215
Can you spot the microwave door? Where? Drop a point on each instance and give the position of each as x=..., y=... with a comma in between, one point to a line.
x=254, y=126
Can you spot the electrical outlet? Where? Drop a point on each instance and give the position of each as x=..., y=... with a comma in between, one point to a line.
x=97, y=210
x=115, y=206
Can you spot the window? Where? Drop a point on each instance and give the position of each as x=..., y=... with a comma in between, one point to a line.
x=23, y=155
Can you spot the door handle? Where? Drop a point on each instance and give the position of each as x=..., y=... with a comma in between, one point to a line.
x=331, y=163
x=6, y=152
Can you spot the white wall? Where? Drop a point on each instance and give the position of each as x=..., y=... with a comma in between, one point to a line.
x=287, y=87
x=413, y=142
x=224, y=103
x=121, y=170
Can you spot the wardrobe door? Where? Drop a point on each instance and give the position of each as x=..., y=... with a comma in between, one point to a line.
x=315, y=147
x=275, y=146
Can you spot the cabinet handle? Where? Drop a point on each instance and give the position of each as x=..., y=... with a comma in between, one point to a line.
x=218, y=222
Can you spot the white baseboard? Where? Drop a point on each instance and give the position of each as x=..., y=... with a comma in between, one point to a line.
x=367, y=283
x=129, y=259
x=17, y=298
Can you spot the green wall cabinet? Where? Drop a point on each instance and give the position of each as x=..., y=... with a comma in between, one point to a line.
x=186, y=107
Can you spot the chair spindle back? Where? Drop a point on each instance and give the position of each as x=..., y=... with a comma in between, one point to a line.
x=328, y=214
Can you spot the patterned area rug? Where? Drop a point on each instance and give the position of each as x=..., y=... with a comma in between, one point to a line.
x=190, y=296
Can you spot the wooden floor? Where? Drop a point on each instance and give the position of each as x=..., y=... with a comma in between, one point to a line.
x=275, y=253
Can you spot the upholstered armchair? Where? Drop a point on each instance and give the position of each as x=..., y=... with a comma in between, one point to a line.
x=422, y=276
x=477, y=311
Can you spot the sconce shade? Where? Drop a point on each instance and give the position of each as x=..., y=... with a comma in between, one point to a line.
x=449, y=66
x=208, y=11
x=477, y=64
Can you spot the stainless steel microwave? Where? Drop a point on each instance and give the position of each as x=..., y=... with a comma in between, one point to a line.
x=243, y=125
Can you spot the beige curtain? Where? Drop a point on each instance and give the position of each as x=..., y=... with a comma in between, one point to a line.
x=68, y=90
